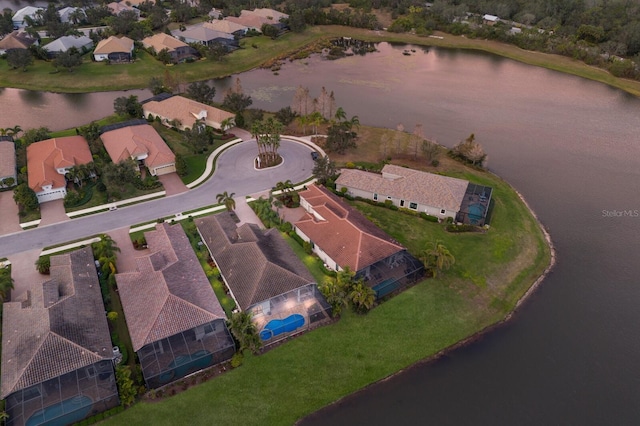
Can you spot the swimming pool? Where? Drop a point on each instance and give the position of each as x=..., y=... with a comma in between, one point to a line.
x=185, y=364
x=476, y=213
x=276, y=327
x=67, y=412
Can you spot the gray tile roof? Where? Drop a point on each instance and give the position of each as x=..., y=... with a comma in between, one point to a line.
x=67, y=42
x=169, y=292
x=59, y=327
x=429, y=189
x=257, y=265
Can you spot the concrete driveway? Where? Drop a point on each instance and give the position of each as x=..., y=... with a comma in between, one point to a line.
x=127, y=257
x=10, y=222
x=52, y=212
x=173, y=184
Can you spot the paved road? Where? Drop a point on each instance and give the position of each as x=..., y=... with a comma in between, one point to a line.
x=234, y=173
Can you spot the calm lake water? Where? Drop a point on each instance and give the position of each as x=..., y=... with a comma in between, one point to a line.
x=571, y=146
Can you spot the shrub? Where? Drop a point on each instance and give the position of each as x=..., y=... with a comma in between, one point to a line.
x=236, y=360
x=388, y=203
x=306, y=245
x=326, y=270
x=428, y=217
x=462, y=228
x=350, y=165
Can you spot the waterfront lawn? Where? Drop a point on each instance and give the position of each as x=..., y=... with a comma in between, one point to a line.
x=492, y=271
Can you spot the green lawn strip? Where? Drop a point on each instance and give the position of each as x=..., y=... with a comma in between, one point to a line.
x=492, y=270
x=29, y=216
x=196, y=165
x=97, y=76
x=121, y=327
x=311, y=262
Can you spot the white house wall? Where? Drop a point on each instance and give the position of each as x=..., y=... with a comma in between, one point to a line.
x=332, y=264
x=51, y=194
x=430, y=210
x=163, y=170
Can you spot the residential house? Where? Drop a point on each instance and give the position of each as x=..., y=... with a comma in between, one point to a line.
x=16, y=40
x=255, y=19
x=251, y=22
x=143, y=144
x=490, y=20
x=436, y=195
x=116, y=8
x=264, y=276
x=179, y=50
x=184, y=113
x=49, y=161
x=114, y=49
x=137, y=3
x=341, y=236
x=270, y=14
x=201, y=34
x=226, y=26
x=57, y=354
x=8, y=175
x=66, y=14
x=176, y=323
x=64, y=43
x=19, y=18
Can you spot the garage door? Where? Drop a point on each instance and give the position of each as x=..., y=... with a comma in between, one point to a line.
x=163, y=170
x=53, y=195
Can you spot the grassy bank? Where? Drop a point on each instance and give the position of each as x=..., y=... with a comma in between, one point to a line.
x=95, y=76
x=491, y=273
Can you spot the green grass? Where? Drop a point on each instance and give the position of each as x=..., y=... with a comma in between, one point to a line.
x=196, y=165
x=29, y=216
x=491, y=273
x=311, y=262
x=120, y=327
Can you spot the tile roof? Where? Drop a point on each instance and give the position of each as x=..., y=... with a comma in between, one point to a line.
x=16, y=40
x=43, y=158
x=250, y=21
x=169, y=292
x=225, y=26
x=67, y=42
x=163, y=41
x=345, y=234
x=201, y=32
x=7, y=159
x=118, y=7
x=132, y=141
x=114, y=44
x=24, y=12
x=187, y=111
x=411, y=185
x=271, y=14
x=257, y=265
x=60, y=325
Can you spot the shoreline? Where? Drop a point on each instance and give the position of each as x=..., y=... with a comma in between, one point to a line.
x=477, y=335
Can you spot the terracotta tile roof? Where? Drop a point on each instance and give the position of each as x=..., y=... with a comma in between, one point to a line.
x=169, y=292
x=7, y=159
x=163, y=41
x=118, y=7
x=43, y=158
x=410, y=185
x=201, y=33
x=250, y=21
x=257, y=265
x=225, y=26
x=187, y=111
x=114, y=45
x=132, y=141
x=270, y=14
x=16, y=40
x=344, y=234
x=59, y=327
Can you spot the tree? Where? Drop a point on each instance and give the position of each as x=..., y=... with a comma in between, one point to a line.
x=200, y=91
x=227, y=200
x=6, y=284
x=69, y=60
x=267, y=135
x=236, y=102
x=198, y=137
x=6, y=21
x=156, y=85
x=285, y=115
x=19, y=58
x=25, y=197
x=226, y=124
x=127, y=389
x=245, y=332
x=217, y=51
x=362, y=298
x=302, y=103
x=164, y=56
x=470, y=151
x=335, y=294
x=325, y=104
x=438, y=258
x=124, y=22
x=105, y=249
x=43, y=265
x=324, y=169
x=431, y=152
x=340, y=137
x=316, y=119
x=128, y=106
x=35, y=135
x=270, y=31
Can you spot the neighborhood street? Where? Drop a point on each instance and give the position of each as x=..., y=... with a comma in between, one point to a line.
x=234, y=173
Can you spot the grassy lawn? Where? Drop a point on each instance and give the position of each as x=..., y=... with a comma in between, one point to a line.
x=29, y=216
x=312, y=262
x=97, y=76
x=120, y=327
x=491, y=272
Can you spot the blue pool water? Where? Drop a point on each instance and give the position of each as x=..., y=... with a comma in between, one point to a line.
x=476, y=212
x=185, y=364
x=385, y=287
x=287, y=325
x=67, y=412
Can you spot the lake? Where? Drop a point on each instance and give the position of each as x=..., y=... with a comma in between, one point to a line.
x=571, y=147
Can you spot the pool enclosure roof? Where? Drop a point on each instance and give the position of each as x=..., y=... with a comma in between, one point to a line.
x=59, y=326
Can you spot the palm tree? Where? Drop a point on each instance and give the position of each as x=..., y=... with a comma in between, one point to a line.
x=43, y=264
x=226, y=124
x=362, y=298
x=335, y=294
x=316, y=119
x=438, y=258
x=227, y=200
x=245, y=332
x=340, y=114
x=13, y=131
x=106, y=249
x=303, y=120
x=6, y=284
